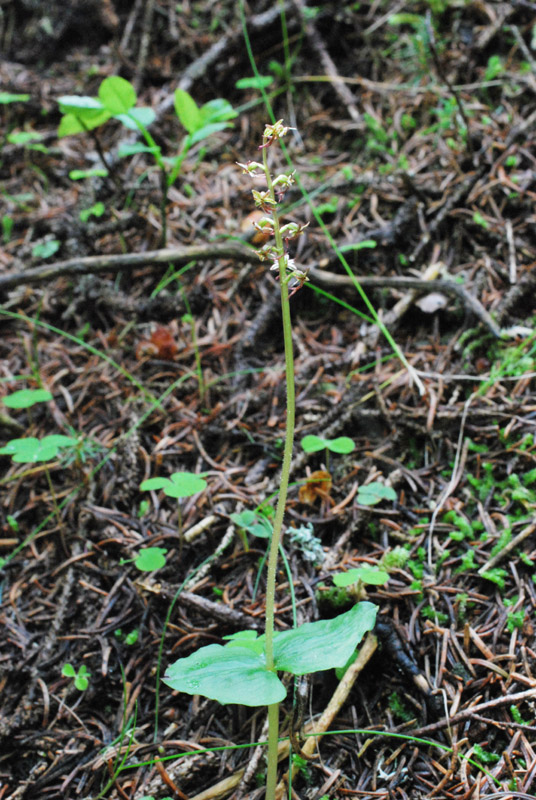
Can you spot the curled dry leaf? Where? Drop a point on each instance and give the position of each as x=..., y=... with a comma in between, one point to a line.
x=161, y=345
x=318, y=485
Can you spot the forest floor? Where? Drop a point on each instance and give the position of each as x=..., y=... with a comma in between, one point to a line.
x=415, y=150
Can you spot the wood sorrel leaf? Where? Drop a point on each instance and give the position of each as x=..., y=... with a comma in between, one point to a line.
x=342, y=444
x=371, y=575
x=373, y=493
x=25, y=398
x=226, y=674
x=179, y=484
x=29, y=449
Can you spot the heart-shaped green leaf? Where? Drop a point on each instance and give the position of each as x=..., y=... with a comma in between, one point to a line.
x=228, y=675
x=29, y=449
x=342, y=444
x=179, y=484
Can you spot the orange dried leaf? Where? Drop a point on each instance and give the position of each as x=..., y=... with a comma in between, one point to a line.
x=318, y=485
x=161, y=345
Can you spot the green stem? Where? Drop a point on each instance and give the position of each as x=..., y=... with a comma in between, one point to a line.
x=54, y=499
x=179, y=526
x=273, y=710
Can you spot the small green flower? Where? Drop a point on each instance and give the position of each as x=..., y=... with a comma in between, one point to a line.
x=273, y=132
x=264, y=225
x=284, y=181
x=263, y=199
x=251, y=168
x=292, y=230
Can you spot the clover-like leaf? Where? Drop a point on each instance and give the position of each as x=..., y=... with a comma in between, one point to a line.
x=373, y=493
x=179, y=484
x=29, y=449
x=342, y=444
x=253, y=523
x=151, y=558
x=370, y=575
x=25, y=398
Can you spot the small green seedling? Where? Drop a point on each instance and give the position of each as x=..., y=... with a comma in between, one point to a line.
x=369, y=575
x=366, y=244
x=30, y=450
x=25, y=398
x=373, y=493
x=127, y=638
x=255, y=82
x=31, y=140
x=342, y=445
x=117, y=99
x=354, y=580
x=12, y=522
x=6, y=98
x=251, y=522
x=143, y=509
x=178, y=485
x=96, y=210
x=46, y=249
x=81, y=678
x=150, y=559
x=237, y=672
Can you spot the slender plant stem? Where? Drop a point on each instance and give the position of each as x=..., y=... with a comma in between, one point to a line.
x=273, y=710
x=179, y=526
x=54, y=499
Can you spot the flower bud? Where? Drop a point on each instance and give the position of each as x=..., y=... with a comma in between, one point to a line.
x=284, y=181
x=251, y=168
x=292, y=230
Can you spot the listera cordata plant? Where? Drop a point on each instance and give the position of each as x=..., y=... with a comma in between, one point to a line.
x=244, y=671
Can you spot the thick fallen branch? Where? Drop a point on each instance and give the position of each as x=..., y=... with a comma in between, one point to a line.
x=408, y=283
x=237, y=252
x=127, y=261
